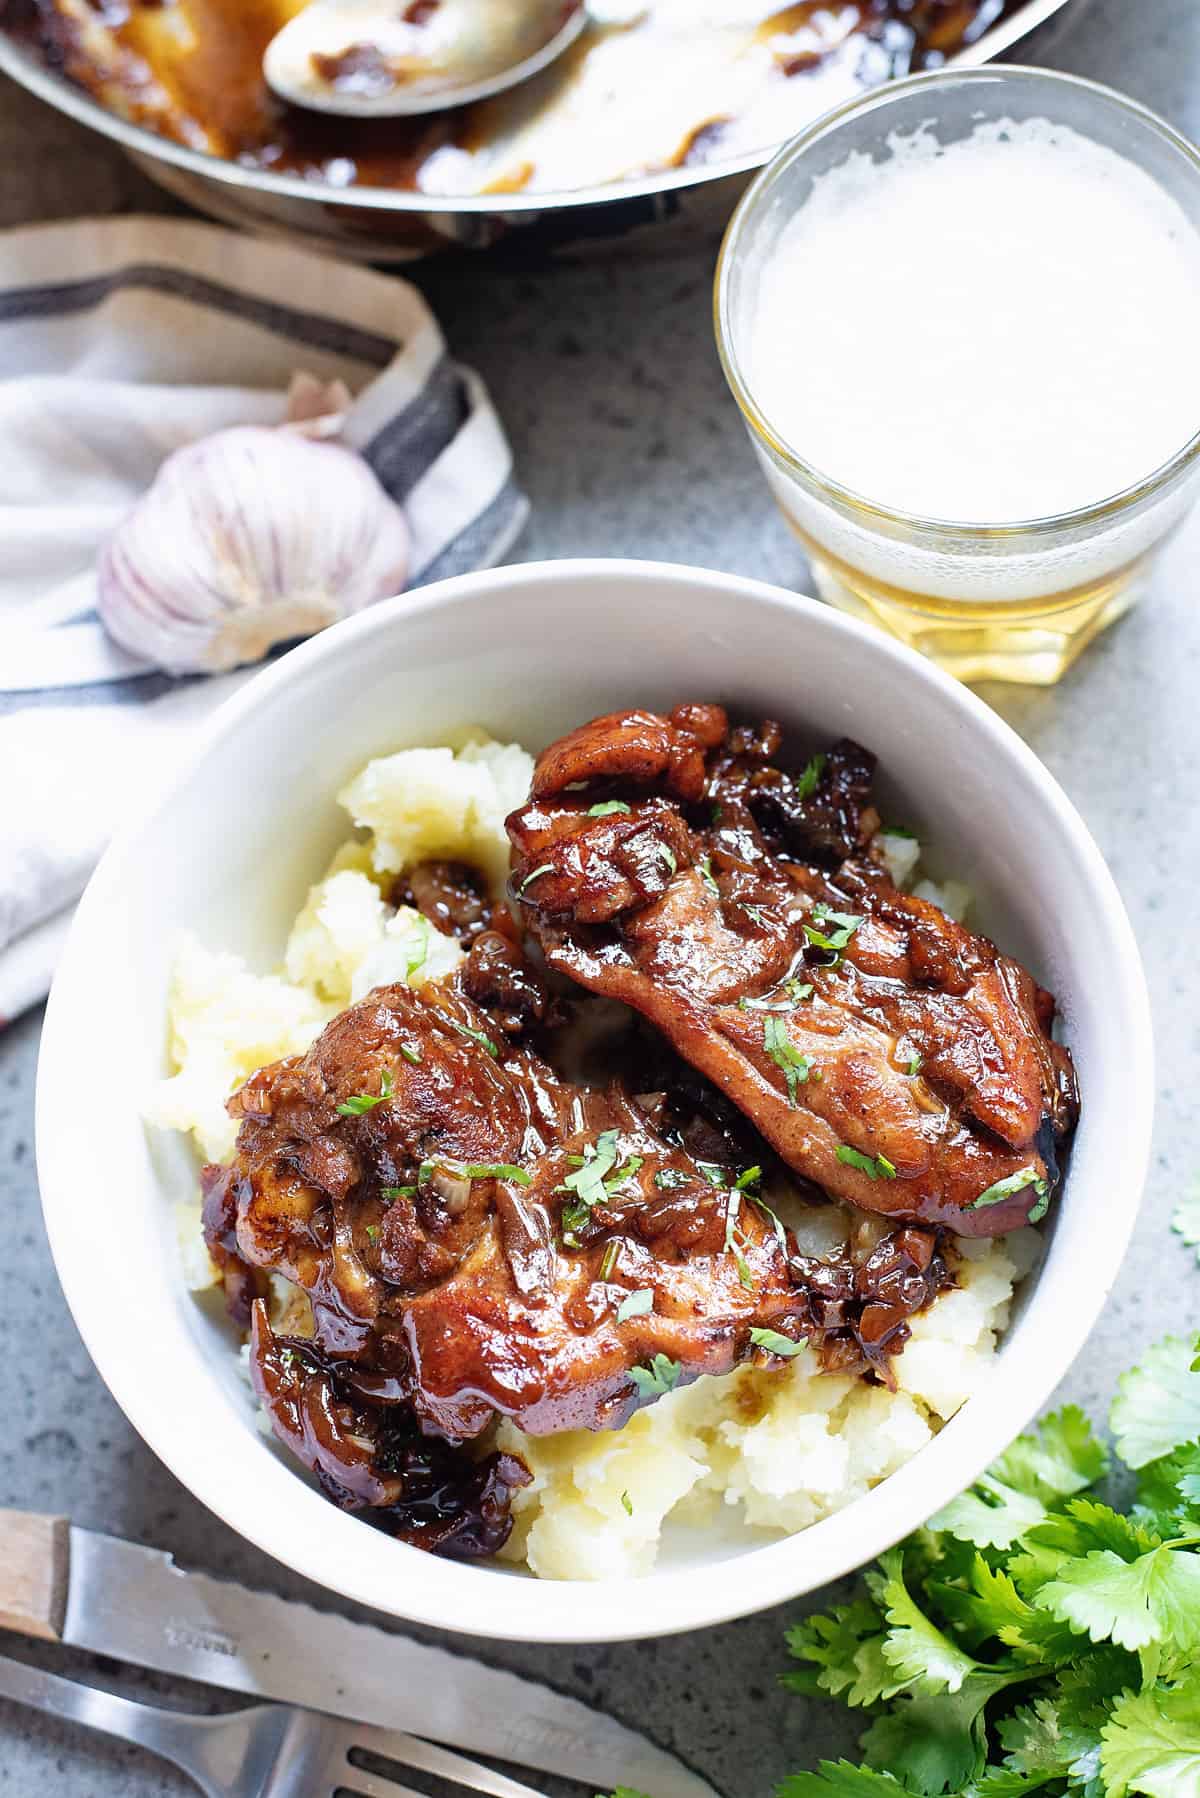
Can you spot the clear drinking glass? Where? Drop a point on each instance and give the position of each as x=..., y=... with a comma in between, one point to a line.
x=1015, y=601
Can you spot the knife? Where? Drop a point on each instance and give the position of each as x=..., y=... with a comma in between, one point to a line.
x=115, y=1598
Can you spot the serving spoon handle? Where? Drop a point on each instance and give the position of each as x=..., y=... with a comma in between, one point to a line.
x=368, y=59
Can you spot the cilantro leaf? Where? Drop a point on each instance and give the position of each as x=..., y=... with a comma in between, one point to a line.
x=359, y=1104
x=607, y=808
x=596, y=1178
x=775, y=1344
x=1151, y=1743
x=662, y=1376
x=989, y=1608
x=1168, y=1491
x=935, y=1743
x=810, y=774
x=836, y=940
x=497, y=1170
x=1061, y=1457
x=1011, y=1184
x=1051, y=1739
x=839, y=1779
x=795, y=1066
x=875, y=1167
x=635, y=1304
x=990, y=1514
x=1157, y=1407
x=845, y=1647
x=1132, y=1603
x=915, y=1649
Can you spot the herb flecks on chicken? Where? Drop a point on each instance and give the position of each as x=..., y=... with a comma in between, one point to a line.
x=886, y=1052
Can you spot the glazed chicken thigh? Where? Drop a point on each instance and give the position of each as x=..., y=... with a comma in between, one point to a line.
x=887, y=1053
x=478, y=1237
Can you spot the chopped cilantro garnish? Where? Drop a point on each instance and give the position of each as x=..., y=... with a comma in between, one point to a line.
x=662, y=1376
x=1014, y=1183
x=786, y=1056
x=464, y=1170
x=418, y=949
x=747, y=1178
x=596, y=1178
x=733, y=1240
x=667, y=855
x=412, y=1056
x=610, y=1260
x=476, y=1036
x=760, y=1205
x=361, y=1103
x=806, y=783
x=775, y=1344
x=607, y=808
x=635, y=1304
x=875, y=1167
x=797, y=991
x=914, y=1064
x=546, y=868
x=391, y=1193
x=668, y=1178
x=708, y=877
x=497, y=1170
x=835, y=940
x=372, y=1232
x=714, y=1173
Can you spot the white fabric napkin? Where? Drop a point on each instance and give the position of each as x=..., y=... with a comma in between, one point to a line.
x=121, y=339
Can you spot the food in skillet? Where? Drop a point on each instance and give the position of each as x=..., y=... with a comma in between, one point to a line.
x=647, y=88
x=521, y=1273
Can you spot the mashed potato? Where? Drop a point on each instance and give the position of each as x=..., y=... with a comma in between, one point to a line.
x=772, y=1450
x=785, y=1448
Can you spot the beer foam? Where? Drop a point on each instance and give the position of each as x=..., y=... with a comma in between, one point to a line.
x=993, y=330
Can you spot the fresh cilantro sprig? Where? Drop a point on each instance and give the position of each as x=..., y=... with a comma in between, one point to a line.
x=1033, y=1638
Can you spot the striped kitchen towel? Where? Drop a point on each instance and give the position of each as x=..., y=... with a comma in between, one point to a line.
x=120, y=340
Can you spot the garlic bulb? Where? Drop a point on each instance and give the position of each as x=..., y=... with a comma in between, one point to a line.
x=248, y=538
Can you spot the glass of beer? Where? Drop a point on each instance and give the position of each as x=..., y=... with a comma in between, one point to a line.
x=961, y=317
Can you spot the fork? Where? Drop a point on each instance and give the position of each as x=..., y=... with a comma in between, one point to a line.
x=264, y=1751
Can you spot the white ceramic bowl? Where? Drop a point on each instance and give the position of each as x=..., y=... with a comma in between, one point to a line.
x=228, y=853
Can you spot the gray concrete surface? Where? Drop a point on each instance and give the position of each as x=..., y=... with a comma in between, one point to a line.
x=629, y=444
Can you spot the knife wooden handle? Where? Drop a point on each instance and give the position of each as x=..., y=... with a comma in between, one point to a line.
x=34, y=1552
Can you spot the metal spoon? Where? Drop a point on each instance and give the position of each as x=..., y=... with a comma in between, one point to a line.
x=389, y=59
